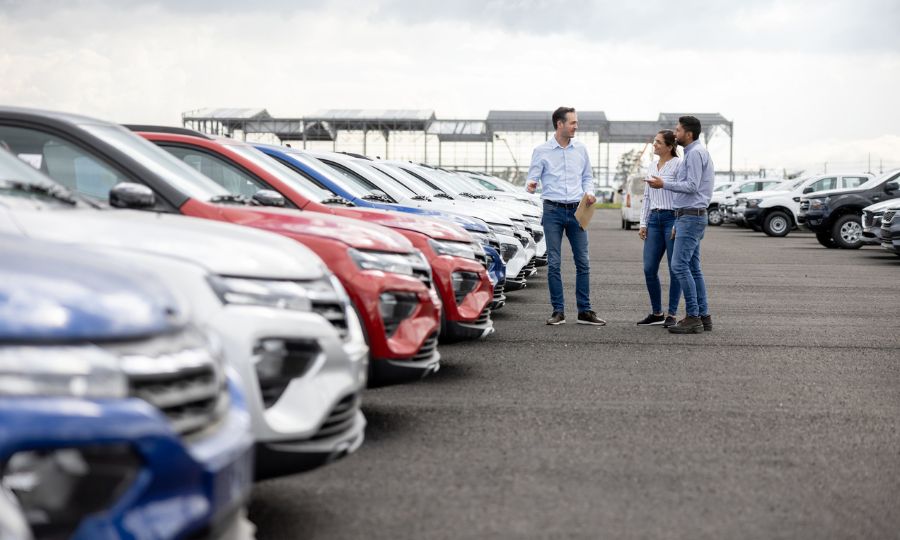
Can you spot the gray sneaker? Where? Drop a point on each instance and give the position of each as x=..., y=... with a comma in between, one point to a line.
x=557, y=318
x=688, y=325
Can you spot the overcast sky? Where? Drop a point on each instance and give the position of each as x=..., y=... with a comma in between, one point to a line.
x=805, y=81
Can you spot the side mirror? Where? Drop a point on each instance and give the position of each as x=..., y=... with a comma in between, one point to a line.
x=808, y=189
x=892, y=186
x=131, y=195
x=267, y=197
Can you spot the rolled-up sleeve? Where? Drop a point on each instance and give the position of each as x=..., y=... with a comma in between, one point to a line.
x=536, y=170
x=587, y=174
x=687, y=179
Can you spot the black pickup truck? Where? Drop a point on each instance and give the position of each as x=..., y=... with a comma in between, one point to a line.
x=835, y=216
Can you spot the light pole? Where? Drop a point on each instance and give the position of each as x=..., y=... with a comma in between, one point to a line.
x=511, y=154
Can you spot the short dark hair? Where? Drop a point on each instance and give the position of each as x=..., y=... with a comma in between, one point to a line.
x=559, y=115
x=690, y=123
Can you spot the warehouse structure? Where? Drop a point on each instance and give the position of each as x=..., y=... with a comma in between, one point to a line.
x=499, y=144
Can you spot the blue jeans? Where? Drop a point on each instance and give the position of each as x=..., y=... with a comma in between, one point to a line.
x=659, y=241
x=556, y=221
x=686, y=263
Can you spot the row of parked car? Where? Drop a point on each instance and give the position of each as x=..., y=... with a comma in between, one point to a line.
x=182, y=314
x=843, y=210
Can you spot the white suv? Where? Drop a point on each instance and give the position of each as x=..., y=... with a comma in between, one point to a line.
x=775, y=211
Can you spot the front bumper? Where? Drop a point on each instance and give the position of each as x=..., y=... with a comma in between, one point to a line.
x=182, y=488
x=753, y=216
x=814, y=220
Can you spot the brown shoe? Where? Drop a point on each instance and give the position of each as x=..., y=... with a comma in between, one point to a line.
x=707, y=322
x=688, y=325
x=557, y=318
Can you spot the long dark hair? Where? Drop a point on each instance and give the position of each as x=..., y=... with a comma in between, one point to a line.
x=669, y=140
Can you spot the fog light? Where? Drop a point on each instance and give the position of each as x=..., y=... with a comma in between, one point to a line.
x=58, y=488
x=463, y=284
x=394, y=308
x=279, y=361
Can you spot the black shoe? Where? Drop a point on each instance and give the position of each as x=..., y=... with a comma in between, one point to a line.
x=557, y=318
x=707, y=322
x=688, y=325
x=589, y=317
x=651, y=320
x=670, y=322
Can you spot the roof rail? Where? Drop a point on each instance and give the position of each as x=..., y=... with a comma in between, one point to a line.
x=167, y=129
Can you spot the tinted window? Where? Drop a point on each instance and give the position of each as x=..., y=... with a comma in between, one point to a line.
x=63, y=161
x=233, y=179
x=824, y=184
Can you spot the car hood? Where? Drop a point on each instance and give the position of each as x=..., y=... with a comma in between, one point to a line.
x=831, y=192
x=395, y=220
x=763, y=194
x=352, y=232
x=219, y=247
x=883, y=205
x=59, y=293
x=497, y=214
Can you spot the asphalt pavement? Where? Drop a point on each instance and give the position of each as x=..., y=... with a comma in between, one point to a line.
x=783, y=422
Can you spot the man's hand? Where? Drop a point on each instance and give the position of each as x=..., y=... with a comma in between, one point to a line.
x=655, y=182
x=531, y=186
x=642, y=234
x=591, y=199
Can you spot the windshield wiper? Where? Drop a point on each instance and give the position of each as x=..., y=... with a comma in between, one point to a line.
x=378, y=198
x=442, y=196
x=48, y=190
x=231, y=198
x=420, y=198
x=337, y=199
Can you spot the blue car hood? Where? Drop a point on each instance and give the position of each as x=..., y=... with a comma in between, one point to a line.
x=56, y=293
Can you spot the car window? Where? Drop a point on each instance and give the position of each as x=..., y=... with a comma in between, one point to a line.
x=824, y=184
x=64, y=162
x=748, y=187
x=769, y=184
x=233, y=179
x=853, y=181
x=352, y=178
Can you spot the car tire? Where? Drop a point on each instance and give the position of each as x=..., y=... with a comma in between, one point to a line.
x=777, y=224
x=714, y=216
x=824, y=238
x=847, y=232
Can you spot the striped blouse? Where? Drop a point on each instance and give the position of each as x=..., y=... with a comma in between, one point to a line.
x=658, y=198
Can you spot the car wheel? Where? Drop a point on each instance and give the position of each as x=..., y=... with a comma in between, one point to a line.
x=824, y=238
x=847, y=232
x=714, y=217
x=777, y=224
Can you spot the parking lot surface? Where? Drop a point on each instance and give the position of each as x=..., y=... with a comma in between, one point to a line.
x=784, y=422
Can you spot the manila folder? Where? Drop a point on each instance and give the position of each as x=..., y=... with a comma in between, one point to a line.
x=584, y=212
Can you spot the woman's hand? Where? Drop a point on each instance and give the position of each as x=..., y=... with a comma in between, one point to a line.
x=655, y=182
x=642, y=234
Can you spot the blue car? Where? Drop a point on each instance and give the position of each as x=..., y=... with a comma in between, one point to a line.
x=117, y=419
x=318, y=173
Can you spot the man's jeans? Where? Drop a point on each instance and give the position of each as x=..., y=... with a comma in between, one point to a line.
x=556, y=221
x=659, y=241
x=686, y=263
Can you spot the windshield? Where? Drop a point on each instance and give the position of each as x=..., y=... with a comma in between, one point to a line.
x=878, y=180
x=292, y=179
x=387, y=182
x=21, y=179
x=13, y=168
x=409, y=179
x=347, y=179
x=172, y=170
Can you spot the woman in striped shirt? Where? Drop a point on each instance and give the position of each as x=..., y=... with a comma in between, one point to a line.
x=657, y=221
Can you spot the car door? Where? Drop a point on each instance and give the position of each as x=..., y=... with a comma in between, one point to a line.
x=823, y=184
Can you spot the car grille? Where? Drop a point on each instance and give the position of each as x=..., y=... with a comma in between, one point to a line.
x=529, y=267
x=498, y=290
x=421, y=269
x=334, y=312
x=426, y=352
x=804, y=205
x=341, y=418
x=485, y=317
x=185, y=382
x=888, y=217
x=482, y=259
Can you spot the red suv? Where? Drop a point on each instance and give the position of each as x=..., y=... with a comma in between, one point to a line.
x=387, y=279
x=457, y=262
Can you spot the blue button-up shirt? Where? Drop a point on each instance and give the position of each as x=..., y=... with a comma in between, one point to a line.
x=564, y=174
x=694, y=179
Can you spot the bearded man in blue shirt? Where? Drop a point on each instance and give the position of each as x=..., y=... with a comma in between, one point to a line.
x=562, y=168
x=691, y=190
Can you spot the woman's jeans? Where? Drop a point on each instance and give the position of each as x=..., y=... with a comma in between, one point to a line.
x=659, y=241
x=689, y=231
x=558, y=220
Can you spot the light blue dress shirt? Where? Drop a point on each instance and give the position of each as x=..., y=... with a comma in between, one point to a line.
x=564, y=174
x=694, y=179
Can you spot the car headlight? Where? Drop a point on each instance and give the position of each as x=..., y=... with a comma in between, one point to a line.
x=77, y=371
x=58, y=488
x=753, y=203
x=485, y=239
x=498, y=228
x=449, y=248
x=508, y=251
x=818, y=204
x=463, y=284
x=394, y=263
x=281, y=294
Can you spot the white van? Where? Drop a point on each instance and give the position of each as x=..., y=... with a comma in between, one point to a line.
x=632, y=193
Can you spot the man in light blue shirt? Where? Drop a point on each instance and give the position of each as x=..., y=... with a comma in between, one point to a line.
x=691, y=189
x=563, y=169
